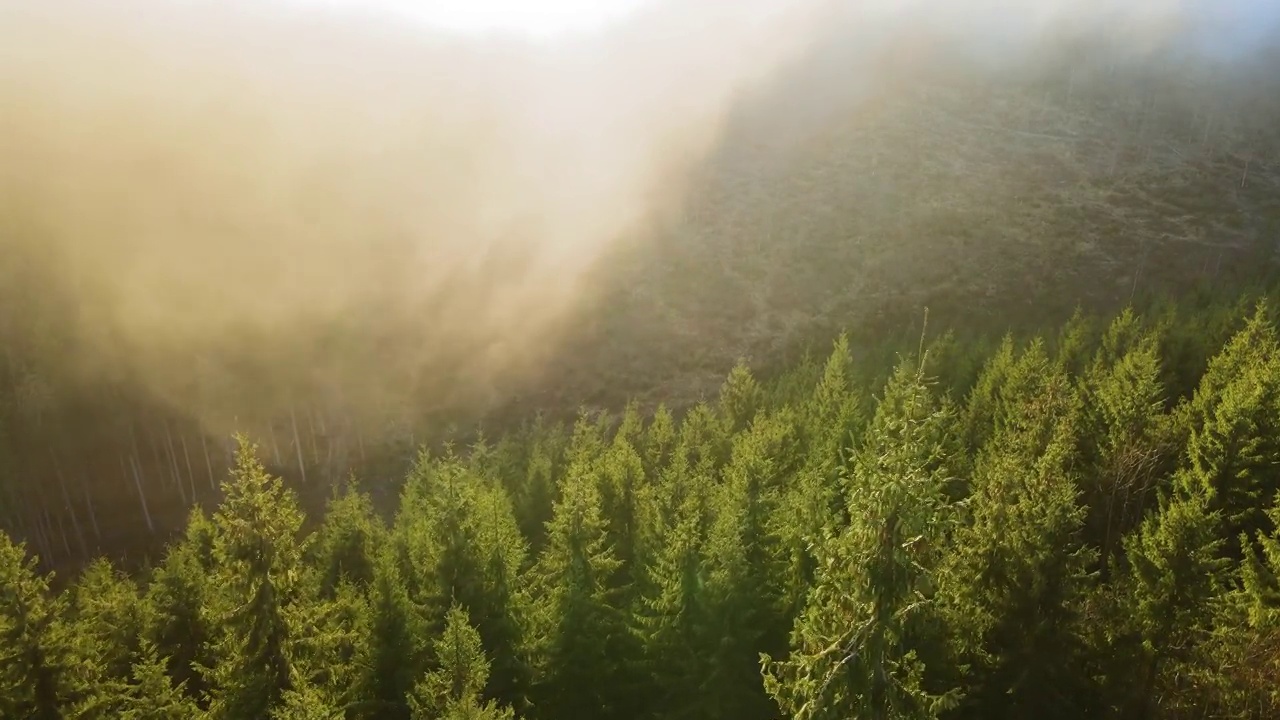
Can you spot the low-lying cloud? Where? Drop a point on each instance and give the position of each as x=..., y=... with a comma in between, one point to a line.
x=330, y=199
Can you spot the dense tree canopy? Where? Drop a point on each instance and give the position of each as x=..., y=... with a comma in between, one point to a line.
x=1071, y=529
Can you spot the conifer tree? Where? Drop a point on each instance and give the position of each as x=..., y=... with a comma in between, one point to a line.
x=152, y=695
x=1075, y=347
x=1127, y=441
x=1015, y=582
x=389, y=659
x=347, y=541
x=464, y=546
x=855, y=649
x=455, y=689
x=812, y=503
x=107, y=621
x=1176, y=571
x=323, y=658
x=673, y=623
x=1239, y=662
x=1234, y=447
x=703, y=440
x=178, y=623
x=740, y=398
x=624, y=498
x=581, y=629
x=742, y=599
x=536, y=494
x=258, y=553
x=37, y=651
x=658, y=442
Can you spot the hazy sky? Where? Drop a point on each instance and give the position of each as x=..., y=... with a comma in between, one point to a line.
x=539, y=18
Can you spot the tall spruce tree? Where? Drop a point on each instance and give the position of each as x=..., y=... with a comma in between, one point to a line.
x=38, y=674
x=1233, y=451
x=455, y=689
x=464, y=546
x=1015, y=581
x=581, y=629
x=1177, y=570
x=257, y=550
x=856, y=647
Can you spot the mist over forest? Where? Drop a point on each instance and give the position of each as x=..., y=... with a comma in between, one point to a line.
x=373, y=248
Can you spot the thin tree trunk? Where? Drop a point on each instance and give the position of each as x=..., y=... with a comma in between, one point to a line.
x=311, y=425
x=173, y=462
x=43, y=541
x=66, y=500
x=162, y=467
x=191, y=475
x=62, y=531
x=208, y=464
x=275, y=446
x=93, y=515
x=297, y=444
x=142, y=495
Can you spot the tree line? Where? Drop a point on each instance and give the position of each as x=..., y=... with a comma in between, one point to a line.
x=1080, y=524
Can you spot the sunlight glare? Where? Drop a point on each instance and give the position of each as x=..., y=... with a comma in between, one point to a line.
x=534, y=18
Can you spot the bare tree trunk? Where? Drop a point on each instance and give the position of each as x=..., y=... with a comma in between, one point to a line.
x=42, y=536
x=275, y=447
x=208, y=464
x=142, y=495
x=93, y=515
x=186, y=455
x=62, y=531
x=177, y=470
x=161, y=467
x=297, y=444
x=311, y=425
x=66, y=500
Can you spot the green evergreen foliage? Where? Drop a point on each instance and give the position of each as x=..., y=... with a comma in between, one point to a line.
x=1234, y=448
x=107, y=621
x=582, y=641
x=389, y=658
x=1177, y=571
x=856, y=647
x=1080, y=524
x=1018, y=571
x=1129, y=443
x=152, y=695
x=258, y=550
x=455, y=689
x=464, y=546
x=178, y=621
x=347, y=541
x=37, y=649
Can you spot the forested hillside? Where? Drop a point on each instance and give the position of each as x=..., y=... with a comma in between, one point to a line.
x=865, y=181
x=814, y=360
x=1082, y=522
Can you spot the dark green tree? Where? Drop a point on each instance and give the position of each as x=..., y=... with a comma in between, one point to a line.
x=1015, y=583
x=856, y=647
x=1177, y=570
x=178, y=622
x=346, y=543
x=258, y=549
x=581, y=630
x=152, y=694
x=455, y=689
x=1234, y=448
x=38, y=675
